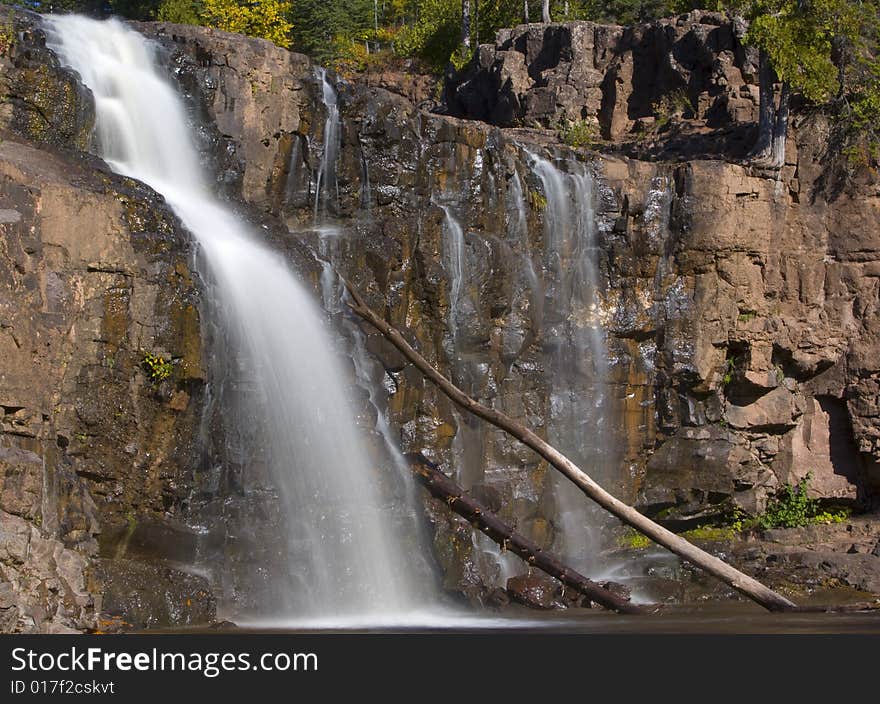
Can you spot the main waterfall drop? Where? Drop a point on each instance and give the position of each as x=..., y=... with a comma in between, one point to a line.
x=341, y=559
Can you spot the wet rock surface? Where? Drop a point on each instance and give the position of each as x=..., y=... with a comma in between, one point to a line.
x=155, y=595
x=94, y=275
x=739, y=310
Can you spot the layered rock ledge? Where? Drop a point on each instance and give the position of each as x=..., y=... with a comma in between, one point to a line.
x=740, y=308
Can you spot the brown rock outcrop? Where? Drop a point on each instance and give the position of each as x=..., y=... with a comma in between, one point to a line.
x=614, y=77
x=94, y=274
x=728, y=295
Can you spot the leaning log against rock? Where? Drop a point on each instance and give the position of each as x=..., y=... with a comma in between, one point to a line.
x=731, y=576
x=481, y=517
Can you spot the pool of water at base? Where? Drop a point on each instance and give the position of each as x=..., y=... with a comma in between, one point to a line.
x=709, y=618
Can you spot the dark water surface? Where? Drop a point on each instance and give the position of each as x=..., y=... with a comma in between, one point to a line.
x=727, y=618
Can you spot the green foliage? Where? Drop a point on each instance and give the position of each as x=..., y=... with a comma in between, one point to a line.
x=319, y=26
x=711, y=533
x=7, y=32
x=579, y=133
x=133, y=9
x=626, y=11
x=266, y=19
x=352, y=53
x=797, y=38
x=461, y=57
x=828, y=51
x=157, y=368
x=633, y=540
x=793, y=508
x=435, y=35
x=729, y=369
x=537, y=201
x=180, y=11
x=674, y=104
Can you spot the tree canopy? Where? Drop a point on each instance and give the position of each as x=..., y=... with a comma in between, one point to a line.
x=827, y=52
x=268, y=19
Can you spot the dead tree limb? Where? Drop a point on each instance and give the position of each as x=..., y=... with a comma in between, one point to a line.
x=745, y=585
x=481, y=517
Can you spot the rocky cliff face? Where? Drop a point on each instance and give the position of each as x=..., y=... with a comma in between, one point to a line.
x=738, y=307
x=691, y=73
x=95, y=453
x=725, y=328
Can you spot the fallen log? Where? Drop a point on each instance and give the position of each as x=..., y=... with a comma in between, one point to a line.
x=481, y=517
x=741, y=582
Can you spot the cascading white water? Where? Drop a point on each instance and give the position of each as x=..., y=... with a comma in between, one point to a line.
x=454, y=259
x=326, y=183
x=518, y=230
x=469, y=444
x=342, y=560
x=580, y=407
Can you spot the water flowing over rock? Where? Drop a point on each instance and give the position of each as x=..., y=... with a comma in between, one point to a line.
x=696, y=332
x=688, y=258
x=336, y=556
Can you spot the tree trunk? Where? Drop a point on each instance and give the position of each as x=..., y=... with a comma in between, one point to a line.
x=780, y=128
x=481, y=517
x=744, y=584
x=476, y=23
x=766, y=110
x=526, y=11
x=545, y=11
x=769, y=149
x=466, y=24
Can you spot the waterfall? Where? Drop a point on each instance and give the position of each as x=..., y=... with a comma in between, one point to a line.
x=327, y=184
x=518, y=230
x=342, y=560
x=454, y=261
x=577, y=356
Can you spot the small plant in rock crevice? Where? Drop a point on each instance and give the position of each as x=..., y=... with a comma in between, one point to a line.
x=538, y=201
x=672, y=105
x=634, y=540
x=792, y=508
x=578, y=133
x=7, y=32
x=157, y=368
x=728, y=372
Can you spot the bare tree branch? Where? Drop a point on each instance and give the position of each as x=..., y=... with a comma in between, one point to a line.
x=739, y=581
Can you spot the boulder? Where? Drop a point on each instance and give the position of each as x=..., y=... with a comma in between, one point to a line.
x=777, y=410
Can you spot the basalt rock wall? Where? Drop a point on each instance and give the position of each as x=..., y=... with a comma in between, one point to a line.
x=621, y=80
x=739, y=307
x=96, y=454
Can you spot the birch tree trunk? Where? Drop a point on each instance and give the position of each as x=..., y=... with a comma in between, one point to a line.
x=780, y=128
x=739, y=581
x=545, y=11
x=766, y=110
